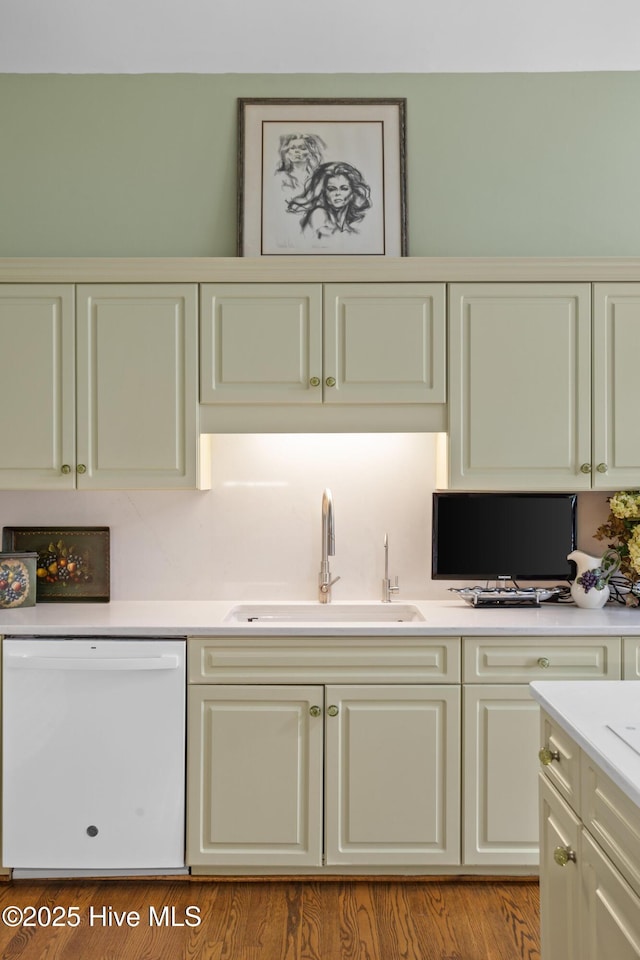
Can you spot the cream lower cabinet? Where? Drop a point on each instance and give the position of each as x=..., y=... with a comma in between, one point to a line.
x=104, y=381
x=589, y=862
x=392, y=777
x=520, y=386
x=501, y=726
x=560, y=885
x=317, y=776
x=501, y=723
x=372, y=769
x=255, y=775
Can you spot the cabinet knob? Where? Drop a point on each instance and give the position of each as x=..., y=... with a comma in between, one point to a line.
x=330, y=381
x=585, y=468
x=315, y=711
x=314, y=381
x=333, y=711
x=81, y=468
x=544, y=662
x=65, y=468
x=546, y=756
x=602, y=468
x=564, y=855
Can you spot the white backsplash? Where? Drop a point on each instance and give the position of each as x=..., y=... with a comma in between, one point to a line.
x=256, y=533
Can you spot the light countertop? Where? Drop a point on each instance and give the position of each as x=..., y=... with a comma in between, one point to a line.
x=584, y=710
x=207, y=618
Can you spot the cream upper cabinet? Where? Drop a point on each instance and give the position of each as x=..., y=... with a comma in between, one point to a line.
x=384, y=343
x=616, y=385
x=352, y=343
x=104, y=379
x=37, y=373
x=392, y=774
x=520, y=386
x=137, y=399
x=261, y=343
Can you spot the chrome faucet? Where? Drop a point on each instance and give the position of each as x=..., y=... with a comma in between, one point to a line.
x=387, y=587
x=328, y=548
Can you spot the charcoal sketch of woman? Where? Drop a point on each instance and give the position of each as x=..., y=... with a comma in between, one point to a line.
x=300, y=154
x=334, y=200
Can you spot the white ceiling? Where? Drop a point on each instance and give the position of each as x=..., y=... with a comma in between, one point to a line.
x=334, y=36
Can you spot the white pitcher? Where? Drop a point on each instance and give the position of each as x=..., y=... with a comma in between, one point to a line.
x=591, y=599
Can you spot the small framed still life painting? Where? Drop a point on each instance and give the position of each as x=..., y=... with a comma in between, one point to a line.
x=73, y=563
x=322, y=177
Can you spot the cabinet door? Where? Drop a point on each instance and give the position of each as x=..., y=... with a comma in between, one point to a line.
x=559, y=883
x=137, y=386
x=37, y=373
x=616, y=385
x=384, y=343
x=255, y=775
x=501, y=732
x=392, y=775
x=520, y=387
x=261, y=343
x=610, y=909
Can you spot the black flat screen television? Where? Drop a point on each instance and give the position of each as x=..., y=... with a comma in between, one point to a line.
x=495, y=536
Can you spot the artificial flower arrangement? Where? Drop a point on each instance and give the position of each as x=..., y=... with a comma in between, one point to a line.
x=622, y=531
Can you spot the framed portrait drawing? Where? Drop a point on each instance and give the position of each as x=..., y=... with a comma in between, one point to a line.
x=322, y=177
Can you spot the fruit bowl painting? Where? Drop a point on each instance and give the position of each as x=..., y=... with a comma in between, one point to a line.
x=72, y=564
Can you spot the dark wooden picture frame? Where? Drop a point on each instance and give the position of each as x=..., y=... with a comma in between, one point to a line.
x=73, y=562
x=322, y=177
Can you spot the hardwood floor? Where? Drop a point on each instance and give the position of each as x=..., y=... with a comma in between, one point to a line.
x=272, y=920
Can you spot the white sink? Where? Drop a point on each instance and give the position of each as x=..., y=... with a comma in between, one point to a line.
x=323, y=613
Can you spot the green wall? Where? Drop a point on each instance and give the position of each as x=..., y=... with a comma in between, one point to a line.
x=145, y=165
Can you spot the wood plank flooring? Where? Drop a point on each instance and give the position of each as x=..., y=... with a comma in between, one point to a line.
x=272, y=920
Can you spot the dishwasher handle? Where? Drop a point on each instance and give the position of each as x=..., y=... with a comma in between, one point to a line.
x=35, y=662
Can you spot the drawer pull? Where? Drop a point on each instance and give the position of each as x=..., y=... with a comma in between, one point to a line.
x=333, y=711
x=544, y=662
x=315, y=711
x=546, y=756
x=564, y=855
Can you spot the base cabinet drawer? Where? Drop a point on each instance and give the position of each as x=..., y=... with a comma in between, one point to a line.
x=524, y=659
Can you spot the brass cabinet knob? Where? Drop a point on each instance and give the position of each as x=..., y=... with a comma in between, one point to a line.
x=81, y=468
x=544, y=662
x=65, y=468
x=564, y=855
x=333, y=711
x=315, y=711
x=602, y=468
x=330, y=381
x=585, y=468
x=315, y=381
x=546, y=756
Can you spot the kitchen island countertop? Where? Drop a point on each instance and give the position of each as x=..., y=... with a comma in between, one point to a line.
x=167, y=618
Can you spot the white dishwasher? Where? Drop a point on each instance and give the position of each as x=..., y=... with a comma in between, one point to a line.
x=93, y=756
